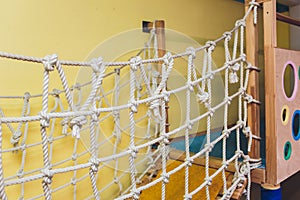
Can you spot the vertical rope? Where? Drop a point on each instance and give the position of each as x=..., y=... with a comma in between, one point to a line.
x=191, y=57
x=2, y=191
x=49, y=64
x=65, y=85
x=165, y=141
x=133, y=109
x=208, y=142
x=225, y=131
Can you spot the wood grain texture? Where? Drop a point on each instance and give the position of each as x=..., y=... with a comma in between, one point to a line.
x=270, y=42
x=253, y=85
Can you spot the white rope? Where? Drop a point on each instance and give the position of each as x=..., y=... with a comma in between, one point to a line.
x=85, y=116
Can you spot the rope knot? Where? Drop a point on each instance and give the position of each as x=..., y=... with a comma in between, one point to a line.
x=211, y=112
x=74, y=157
x=253, y=3
x=20, y=173
x=189, y=161
x=135, y=194
x=246, y=131
x=50, y=139
x=47, y=175
x=203, y=97
x=165, y=178
x=245, y=167
x=191, y=51
x=133, y=106
x=64, y=124
x=209, y=147
x=15, y=138
x=94, y=117
x=166, y=96
x=45, y=119
x=154, y=106
x=116, y=180
x=168, y=59
x=56, y=92
x=235, y=67
x=190, y=125
x=227, y=35
x=243, y=57
x=23, y=147
x=227, y=64
x=240, y=22
x=225, y=163
x=239, y=153
x=94, y=164
x=135, y=62
x=133, y=151
x=50, y=62
x=27, y=96
x=76, y=124
x=210, y=45
x=166, y=140
x=73, y=181
x=190, y=86
x=233, y=77
x=226, y=133
x=228, y=100
x=188, y=197
x=208, y=181
x=97, y=65
x=250, y=99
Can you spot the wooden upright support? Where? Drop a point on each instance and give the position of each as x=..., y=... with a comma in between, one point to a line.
x=270, y=43
x=253, y=86
x=159, y=26
x=161, y=48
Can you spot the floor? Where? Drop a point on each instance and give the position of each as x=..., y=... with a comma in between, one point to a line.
x=290, y=189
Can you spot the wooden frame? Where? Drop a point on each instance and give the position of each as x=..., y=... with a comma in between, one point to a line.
x=278, y=132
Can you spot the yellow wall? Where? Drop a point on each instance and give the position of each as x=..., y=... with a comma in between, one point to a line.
x=72, y=29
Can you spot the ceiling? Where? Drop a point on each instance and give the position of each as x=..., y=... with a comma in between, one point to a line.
x=289, y=2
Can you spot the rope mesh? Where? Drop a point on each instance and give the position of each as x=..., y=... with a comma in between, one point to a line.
x=97, y=119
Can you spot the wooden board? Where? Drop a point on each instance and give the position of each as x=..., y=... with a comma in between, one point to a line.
x=286, y=167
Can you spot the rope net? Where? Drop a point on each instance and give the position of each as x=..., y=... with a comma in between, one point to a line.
x=123, y=152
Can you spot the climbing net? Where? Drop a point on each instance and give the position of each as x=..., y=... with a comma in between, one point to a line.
x=107, y=143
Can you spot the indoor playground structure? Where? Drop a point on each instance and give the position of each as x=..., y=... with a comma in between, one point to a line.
x=156, y=122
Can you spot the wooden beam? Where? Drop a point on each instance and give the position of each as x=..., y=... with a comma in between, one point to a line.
x=161, y=45
x=270, y=42
x=257, y=175
x=253, y=85
x=287, y=19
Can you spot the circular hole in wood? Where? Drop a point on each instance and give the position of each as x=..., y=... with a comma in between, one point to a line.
x=289, y=82
x=285, y=113
x=296, y=125
x=287, y=150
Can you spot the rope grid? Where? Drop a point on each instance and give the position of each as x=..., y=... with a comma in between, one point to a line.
x=147, y=88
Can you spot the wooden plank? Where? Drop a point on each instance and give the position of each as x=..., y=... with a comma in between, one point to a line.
x=258, y=176
x=253, y=85
x=270, y=42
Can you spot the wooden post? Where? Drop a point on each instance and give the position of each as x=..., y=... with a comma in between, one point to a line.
x=270, y=43
x=161, y=46
x=253, y=85
x=159, y=26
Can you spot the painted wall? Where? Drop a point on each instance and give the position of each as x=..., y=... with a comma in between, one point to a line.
x=72, y=29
